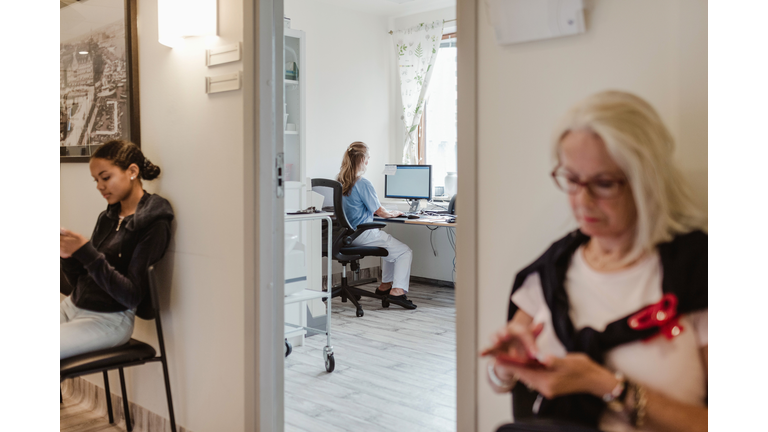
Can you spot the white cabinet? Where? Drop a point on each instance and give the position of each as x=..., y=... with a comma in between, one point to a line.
x=301, y=264
x=295, y=106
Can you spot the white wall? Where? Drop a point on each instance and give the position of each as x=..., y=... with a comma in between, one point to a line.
x=348, y=88
x=654, y=48
x=197, y=140
x=347, y=78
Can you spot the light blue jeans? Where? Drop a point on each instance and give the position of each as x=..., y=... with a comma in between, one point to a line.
x=84, y=331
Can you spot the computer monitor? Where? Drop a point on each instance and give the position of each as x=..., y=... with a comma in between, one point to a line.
x=410, y=182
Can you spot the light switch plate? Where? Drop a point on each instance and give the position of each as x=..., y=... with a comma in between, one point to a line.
x=222, y=54
x=222, y=83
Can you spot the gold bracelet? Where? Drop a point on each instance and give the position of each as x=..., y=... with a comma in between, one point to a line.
x=640, y=399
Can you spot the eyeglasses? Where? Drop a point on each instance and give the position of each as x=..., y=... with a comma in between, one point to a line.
x=601, y=188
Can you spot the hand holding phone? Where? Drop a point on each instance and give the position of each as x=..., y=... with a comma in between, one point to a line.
x=69, y=242
x=515, y=345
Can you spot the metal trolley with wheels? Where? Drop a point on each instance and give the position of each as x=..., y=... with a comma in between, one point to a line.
x=292, y=330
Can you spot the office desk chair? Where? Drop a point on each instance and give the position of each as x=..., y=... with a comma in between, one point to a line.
x=345, y=253
x=133, y=353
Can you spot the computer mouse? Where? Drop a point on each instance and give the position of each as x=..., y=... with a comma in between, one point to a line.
x=451, y=220
x=413, y=216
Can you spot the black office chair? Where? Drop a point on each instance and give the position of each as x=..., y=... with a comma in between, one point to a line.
x=133, y=353
x=345, y=253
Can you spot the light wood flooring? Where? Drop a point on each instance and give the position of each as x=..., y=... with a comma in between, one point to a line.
x=395, y=371
x=85, y=410
x=395, y=368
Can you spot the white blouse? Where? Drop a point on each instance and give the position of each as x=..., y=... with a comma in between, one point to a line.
x=673, y=367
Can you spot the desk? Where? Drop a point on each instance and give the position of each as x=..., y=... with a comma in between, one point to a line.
x=433, y=250
x=422, y=220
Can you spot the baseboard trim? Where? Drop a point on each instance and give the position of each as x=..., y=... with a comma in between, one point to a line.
x=375, y=273
x=440, y=283
x=94, y=398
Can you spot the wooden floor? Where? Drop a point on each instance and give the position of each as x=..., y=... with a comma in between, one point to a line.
x=85, y=411
x=395, y=369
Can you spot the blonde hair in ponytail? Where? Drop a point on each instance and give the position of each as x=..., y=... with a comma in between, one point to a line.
x=351, y=165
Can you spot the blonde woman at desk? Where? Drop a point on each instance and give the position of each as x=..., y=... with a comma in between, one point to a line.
x=360, y=204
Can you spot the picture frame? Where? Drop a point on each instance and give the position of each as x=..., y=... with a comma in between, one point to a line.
x=99, y=76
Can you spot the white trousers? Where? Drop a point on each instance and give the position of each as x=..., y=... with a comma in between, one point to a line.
x=84, y=331
x=395, y=267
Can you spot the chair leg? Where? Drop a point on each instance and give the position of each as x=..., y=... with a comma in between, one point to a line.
x=125, y=402
x=168, y=394
x=109, y=398
x=352, y=297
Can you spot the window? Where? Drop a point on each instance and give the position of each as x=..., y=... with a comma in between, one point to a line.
x=437, y=130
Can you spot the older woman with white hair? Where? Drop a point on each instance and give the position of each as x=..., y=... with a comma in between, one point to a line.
x=608, y=328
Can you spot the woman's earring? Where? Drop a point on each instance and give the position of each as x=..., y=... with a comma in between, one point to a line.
x=133, y=177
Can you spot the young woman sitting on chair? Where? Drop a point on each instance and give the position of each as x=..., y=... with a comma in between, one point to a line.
x=106, y=276
x=360, y=204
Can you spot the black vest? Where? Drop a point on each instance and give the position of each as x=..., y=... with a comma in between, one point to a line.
x=684, y=263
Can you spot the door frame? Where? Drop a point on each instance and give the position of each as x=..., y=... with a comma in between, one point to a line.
x=264, y=215
x=467, y=373
x=263, y=57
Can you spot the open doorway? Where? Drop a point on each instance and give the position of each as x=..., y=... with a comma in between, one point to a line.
x=343, y=85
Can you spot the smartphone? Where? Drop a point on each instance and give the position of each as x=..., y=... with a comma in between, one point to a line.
x=529, y=363
x=499, y=351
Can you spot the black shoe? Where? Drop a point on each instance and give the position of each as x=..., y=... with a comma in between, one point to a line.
x=401, y=300
x=384, y=293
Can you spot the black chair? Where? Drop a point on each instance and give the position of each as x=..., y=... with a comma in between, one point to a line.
x=343, y=251
x=544, y=425
x=133, y=353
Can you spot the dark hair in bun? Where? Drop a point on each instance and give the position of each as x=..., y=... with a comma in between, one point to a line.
x=124, y=153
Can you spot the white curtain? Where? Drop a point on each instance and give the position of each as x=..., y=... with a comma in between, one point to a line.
x=416, y=50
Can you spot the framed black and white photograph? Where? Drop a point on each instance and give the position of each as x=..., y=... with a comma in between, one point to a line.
x=99, y=79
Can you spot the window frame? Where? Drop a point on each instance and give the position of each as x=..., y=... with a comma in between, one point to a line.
x=422, y=141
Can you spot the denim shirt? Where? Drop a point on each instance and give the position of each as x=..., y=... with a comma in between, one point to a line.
x=361, y=203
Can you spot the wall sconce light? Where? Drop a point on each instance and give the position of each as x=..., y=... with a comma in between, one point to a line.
x=179, y=19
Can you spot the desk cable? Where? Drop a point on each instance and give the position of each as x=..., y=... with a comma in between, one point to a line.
x=452, y=240
x=431, y=231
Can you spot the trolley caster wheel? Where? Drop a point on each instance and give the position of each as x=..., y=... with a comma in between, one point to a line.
x=330, y=363
x=288, y=348
x=385, y=303
x=359, y=312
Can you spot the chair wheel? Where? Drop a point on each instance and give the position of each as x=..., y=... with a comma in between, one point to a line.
x=359, y=312
x=385, y=303
x=358, y=297
x=330, y=363
x=288, y=348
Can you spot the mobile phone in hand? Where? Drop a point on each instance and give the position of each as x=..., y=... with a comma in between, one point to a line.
x=529, y=363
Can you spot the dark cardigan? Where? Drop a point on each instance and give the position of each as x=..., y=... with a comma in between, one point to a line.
x=109, y=273
x=684, y=264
